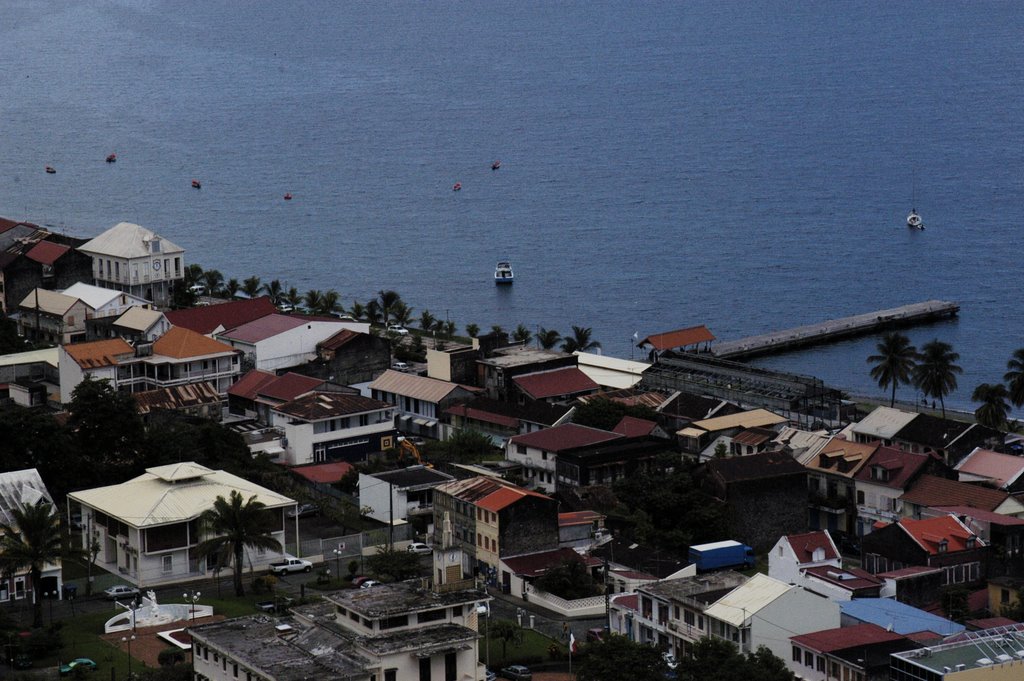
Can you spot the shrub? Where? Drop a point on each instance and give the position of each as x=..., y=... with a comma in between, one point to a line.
x=169, y=657
x=264, y=584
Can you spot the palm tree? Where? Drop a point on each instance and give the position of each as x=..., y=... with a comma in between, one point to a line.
x=497, y=330
x=231, y=288
x=401, y=313
x=251, y=286
x=894, y=363
x=579, y=341
x=548, y=338
x=472, y=330
x=32, y=541
x=233, y=525
x=213, y=280
x=427, y=321
x=358, y=311
x=449, y=328
x=313, y=299
x=935, y=373
x=387, y=301
x=193, y=275
x=330, y=303
x=1015, y=377
x=373, y=312
x=522, y=334
x=994, y=407
x=293, y=297
x=274, y=291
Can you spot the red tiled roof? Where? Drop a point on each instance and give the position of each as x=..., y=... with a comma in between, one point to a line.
x=804, y=545
x=205, y=320
x=930, y=490
x=901, y=465
x=504, y=497
x=46, y=252
x=1003, y=469
x=264, y=327
x=339, y=339
x=317, y=406
x=570, y=518
x=247, y=387
x=327, y=473
x=928, y=533
x=843, y=638
x=565, y=381
x=99, y=353
x=630, y=426
x=288, y=386
x=679, y=339
x=184, y=343
x=851, y=579
x=990, y=622
x=483, y=415
x=6, y=225
x=563, y=437
x=630, y=601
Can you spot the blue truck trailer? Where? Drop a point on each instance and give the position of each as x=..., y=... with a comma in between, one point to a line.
x=721, y=554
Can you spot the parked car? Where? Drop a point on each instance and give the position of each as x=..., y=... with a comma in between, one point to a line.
x=369, y=584
x=398, y=329
x=400, y=366
x=517, y=672
x=670, y=660
x=483, y=609
x=290, y=564
x=358, y=581
x=490, y=676
x=83, y=663
x=419, y=547
x=121, y=591
x=303, y=511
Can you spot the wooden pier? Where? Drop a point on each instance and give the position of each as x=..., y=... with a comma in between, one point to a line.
x=835, y=329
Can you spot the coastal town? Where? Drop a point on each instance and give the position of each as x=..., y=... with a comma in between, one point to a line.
x=213, y=478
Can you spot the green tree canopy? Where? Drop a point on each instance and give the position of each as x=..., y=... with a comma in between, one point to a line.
x=393, y=565
x=569, y=580
x=580, y=340
x=715, y=659
x=233, y=525
x=618, y=658
x=1014, y=377
x=994, y=407
x=107, y=430
x=936, y=371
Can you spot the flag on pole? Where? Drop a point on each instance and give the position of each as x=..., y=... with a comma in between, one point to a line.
x=636, y=335
x=572, y=643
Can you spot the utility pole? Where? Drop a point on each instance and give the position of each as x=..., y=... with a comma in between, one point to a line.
x=391, y=517
x=607, y=599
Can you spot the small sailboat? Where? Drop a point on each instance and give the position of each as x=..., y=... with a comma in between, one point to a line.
x=50, y=170
x=112, y=158
x=495, y=165
x=503, y=272
x=288, y=196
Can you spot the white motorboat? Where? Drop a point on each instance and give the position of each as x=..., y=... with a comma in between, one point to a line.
x=503, y=272
x=914, y=220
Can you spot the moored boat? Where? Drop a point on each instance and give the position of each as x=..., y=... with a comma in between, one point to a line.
x=50, y=170
x=112, y=158
x=503, y=272
x=196, y=184
x=914, y=220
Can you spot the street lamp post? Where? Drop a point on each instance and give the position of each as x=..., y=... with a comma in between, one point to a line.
x=128, y=640
x=337, y=563
x=50, y=595
x=191, y=597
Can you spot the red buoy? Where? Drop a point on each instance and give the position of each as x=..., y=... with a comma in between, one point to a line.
x=457, y=186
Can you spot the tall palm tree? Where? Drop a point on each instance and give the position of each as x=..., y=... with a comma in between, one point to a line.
x=274, y=291
x=231, y=288
x=472, y=330
x=936, y=370
x=193, y=275
x=32, y=541
x=522, y=334
x=497, y=330
x=427, y=321
x=233, y=525
x=448, y=328
x=213, y=280
x=358, y=311
x=1015, y=377
x=548, y=338
x=373, y=312
x=580, y=340
x=330, y=302
x=293, y=297
x=313, y=299
x=994, y=408
x=387, y=300
x=251, y=286
x=401, y=313
x=894, y=363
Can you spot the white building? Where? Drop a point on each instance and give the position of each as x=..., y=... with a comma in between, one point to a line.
x=278, y=341
x=51, y=317
x=793, y=553
x=419, y=401
x=134, y=259
x=766, y=612
x=399, y=494
x=179, y=357
x=148, y=527
x=19, y=489
x=105, y=302
x=327, y=426
x=391, y=632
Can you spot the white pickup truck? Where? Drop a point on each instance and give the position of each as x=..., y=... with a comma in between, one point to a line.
x=290, y=564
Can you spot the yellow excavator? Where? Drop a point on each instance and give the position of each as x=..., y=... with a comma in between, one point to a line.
x=407, y=448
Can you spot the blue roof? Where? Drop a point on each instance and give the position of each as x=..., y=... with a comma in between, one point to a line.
x=895, y=616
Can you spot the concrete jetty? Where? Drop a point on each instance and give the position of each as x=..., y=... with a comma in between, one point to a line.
x=835, y=329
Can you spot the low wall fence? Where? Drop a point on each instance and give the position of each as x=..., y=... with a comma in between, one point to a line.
x=591, y=606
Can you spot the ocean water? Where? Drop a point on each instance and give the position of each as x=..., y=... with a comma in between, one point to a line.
x=748, y=166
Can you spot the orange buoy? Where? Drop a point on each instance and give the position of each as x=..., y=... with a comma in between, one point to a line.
x=457, y=186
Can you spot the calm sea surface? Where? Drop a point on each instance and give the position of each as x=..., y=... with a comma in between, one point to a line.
x=664, y=164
